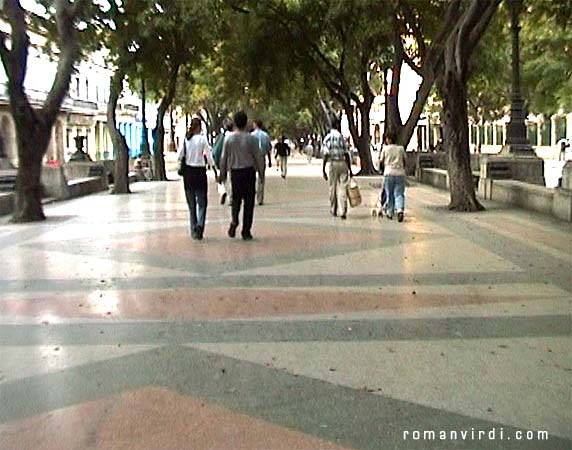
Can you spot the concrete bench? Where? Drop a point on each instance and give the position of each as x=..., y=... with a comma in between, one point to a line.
x=85, y=186
x=434, y=177
x=552, y=202
x=492, y=169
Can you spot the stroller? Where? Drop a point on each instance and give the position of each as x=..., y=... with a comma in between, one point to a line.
x=377, y=211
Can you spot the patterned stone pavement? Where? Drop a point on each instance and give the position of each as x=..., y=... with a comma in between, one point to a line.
x=117, y=331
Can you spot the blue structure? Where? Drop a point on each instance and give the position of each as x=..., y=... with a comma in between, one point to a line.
x=132, y=131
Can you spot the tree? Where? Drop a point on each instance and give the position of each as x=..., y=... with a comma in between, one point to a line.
x=120, y=34
x=547, y=55
x=335, y=42
x=34, y=126
x=177, y=34
x=452, y=85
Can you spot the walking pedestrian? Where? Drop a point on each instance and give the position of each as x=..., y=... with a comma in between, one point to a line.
x=336, y=152
x=309, y=150
x=241, y=156
x=282, y=152
x=265, y=147
x=195, y=153
x=393, y=159
x=226, y=188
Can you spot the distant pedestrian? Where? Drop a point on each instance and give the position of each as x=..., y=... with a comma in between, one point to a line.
x=336, y=152
x=393, y=158
x=196, y=154
x=226, y=187
x=282, y=152
x=265, y=148
x=309, y=150
x=563, y=144
x=242, y=158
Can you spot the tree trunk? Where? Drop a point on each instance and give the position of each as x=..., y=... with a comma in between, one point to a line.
x=406, y=131
x=145, y=133
x=361, y=140
x=456, y=142
x=172, y=128
x=159, y=172
x=120, y=149
x=32, y=136
x=393, y=124
x=386, y=98
x=364, y=140
x=452, y=83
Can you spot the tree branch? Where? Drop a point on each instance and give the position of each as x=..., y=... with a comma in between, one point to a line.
x=67, y=34
x=483, y=23
x=4, y=52
x=17, y=57
x=466, y=25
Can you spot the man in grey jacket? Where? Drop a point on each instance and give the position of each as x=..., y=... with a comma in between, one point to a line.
x=242, y=158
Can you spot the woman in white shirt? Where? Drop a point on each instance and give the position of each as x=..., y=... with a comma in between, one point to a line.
x=196, y=153
x=393, y=159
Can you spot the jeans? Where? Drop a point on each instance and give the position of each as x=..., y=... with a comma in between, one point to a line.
x=197, y=201
x=395, y=191
x=195, y=182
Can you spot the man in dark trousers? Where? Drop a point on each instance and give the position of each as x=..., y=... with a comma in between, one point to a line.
x=241, y=156
x=283, y=151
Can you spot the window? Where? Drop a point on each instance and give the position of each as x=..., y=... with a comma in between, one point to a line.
x=499, y=134
x=560, y=123
x=546, y=132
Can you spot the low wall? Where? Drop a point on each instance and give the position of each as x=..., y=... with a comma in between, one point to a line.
x=72, y=180
x=54, y=181
x=551, y=202
x=435, y=177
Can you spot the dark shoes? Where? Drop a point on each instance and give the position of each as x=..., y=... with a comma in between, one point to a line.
x=246, y=237
x=197, y=235
x=343, y=217
x=223, y=198
x=400, y=216
x=232, y=230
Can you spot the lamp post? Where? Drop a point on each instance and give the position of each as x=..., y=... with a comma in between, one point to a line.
x=516, y=142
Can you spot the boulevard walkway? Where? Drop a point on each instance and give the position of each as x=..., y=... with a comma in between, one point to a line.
x=117, y=331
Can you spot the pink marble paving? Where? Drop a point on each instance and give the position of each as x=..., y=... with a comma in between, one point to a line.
x=151, y=418
x=272, y=239
x=189, y=304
